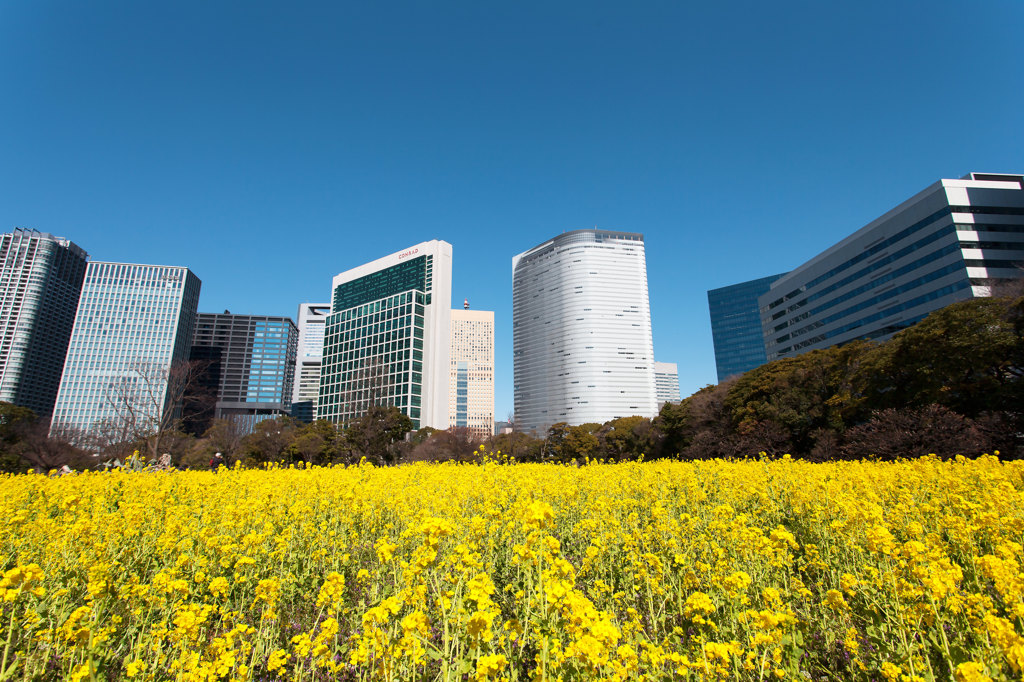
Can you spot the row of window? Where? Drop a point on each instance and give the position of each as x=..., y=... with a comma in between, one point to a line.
x=864, y=255
x=877, y=282
x=876, y=265
x=930, y=296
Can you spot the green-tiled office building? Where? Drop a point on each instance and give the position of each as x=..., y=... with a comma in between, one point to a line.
x=386, y=341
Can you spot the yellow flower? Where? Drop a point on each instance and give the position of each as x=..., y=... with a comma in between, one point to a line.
x=219, y=586
x=490, y=665
x=277, y=660
x=971, y=672
x=834, y=601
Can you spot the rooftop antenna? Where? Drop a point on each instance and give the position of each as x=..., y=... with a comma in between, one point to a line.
x=465, y=303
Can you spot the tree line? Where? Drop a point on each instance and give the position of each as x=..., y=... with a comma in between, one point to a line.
x=951, y=384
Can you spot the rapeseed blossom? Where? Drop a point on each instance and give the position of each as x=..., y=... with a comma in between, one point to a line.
x=751, y=570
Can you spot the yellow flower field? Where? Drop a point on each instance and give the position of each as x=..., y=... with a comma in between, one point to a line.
x=662, y=570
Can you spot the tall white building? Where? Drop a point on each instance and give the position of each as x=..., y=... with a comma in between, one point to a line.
x=40, y=282
x=581, y=330
x=312, y=323
x=387, y=337
x=471, y=380
x=132, y=332
x=666, y=382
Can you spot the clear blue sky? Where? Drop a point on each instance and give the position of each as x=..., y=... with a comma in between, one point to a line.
x=269, y=146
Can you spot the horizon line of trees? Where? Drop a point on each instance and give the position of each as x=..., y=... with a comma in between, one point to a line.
x=950, y=384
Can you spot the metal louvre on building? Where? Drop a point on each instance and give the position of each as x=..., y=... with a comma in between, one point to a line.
x=953, y=241
x=582, y=344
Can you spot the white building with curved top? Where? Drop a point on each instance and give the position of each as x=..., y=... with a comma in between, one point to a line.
x=583, y=350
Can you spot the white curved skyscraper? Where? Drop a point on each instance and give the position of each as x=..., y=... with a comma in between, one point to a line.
x=581, y=330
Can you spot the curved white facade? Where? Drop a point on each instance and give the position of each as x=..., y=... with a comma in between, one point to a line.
x=582, y=345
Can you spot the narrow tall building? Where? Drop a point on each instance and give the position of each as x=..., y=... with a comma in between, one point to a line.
x=583, y=350
x=250, y=359
x=736, y=326
x=122, y=375
x=666, y=382
x=40, y=283
x=312, y=323
x=387, y=337
x=950, y=242
x=471, y=380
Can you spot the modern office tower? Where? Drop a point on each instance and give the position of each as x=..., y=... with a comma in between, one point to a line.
x=40, y=282
x=252, y=360
x=950, y=242
x=387, y=337
x=736, y=326
x=471, y=380
x=581, y=331
x=123, y=375
x=312, y=320
x=666, y=382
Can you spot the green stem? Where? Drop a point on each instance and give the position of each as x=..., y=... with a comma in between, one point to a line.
x=7, y=648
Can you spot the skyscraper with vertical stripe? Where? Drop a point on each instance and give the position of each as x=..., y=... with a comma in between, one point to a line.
x=40, y=282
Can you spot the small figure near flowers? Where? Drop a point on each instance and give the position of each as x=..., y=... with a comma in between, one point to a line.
x=216, y=461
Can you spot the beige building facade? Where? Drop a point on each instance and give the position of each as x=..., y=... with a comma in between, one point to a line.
x=471, y=379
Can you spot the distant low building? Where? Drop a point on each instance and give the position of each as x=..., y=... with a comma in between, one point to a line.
x=666, y=382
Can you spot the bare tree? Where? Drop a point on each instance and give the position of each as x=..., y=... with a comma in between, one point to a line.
x=146, y=403
x=367, y=386
x=1010, y=288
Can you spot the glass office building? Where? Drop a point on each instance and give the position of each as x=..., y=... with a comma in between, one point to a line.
x=950, y=242
x=736, y=326
x=583, y=349
x=40, y=283
x=387, y=338
x=132, y=331
x=250, y=359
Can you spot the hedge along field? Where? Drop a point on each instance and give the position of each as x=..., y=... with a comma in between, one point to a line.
x=702, y=570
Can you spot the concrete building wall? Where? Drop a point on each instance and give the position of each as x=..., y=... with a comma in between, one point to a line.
x=471, y=376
